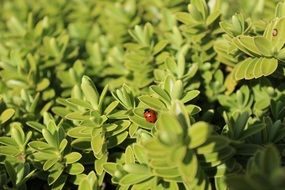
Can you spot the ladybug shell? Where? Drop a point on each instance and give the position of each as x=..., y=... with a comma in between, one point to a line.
x=274, y=32
x=150, y=115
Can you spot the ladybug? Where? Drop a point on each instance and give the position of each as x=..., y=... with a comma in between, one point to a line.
x=274, y=32
x=150, y=115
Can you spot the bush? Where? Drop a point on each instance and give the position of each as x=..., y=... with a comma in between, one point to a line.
x=77, y=77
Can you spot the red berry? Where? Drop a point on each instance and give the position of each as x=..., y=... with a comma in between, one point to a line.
x=150, y=115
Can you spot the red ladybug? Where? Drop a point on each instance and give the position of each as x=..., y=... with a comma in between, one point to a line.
x=274, y=32
x=150, y=115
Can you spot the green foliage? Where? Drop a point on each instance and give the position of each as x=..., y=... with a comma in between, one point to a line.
x=261, y=53
x=77, y=77
x=264, y=163
x=179, y=152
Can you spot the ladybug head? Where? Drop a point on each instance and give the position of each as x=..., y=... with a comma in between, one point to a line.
x=146, y=110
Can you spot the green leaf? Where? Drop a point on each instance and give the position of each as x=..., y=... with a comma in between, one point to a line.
x=213, y=17
x=161, y=93
x=49, y=163
x=171, y=65
x=97, y=142
x=152, y=102
x=214, y=143
x=93, y=179
x=121, y=126
x=34, y=103
x=161, y=163
x=60, y=111
x=250, y=69
x=137, y=169
x=241, y=183
x=125, y=97
x=114, y=126
x=148, y=32
x=39, y=145
x=280, y=10
x=184, y=18
x=77, y=116
x=195, y=13
x=247, y=149
x=102, y=96
x=193, y=109
x=129, y=156
x=215, y=158
x=110, y=168
x=72, y=157
x=130, y=179
x=271, y=159
x=27, y=177
x=60, y=182
x=281, y=55
x=85, y=185
x=90, y=92
x=251, y=130
x=240, y=69
x=177, y=90
x=167, y=172
x=99, y=164
x=116, y=140
x=6, y=115
x=82, y=144
x=11, y=172
x=148, y=184
x=247, y=45
x=43, y=84
x=190, y=95
x=201, y=7
x=188, y=168
x=254, y=68
x=156, y=149
x=111, y=107
x=140, y=154
x=62, y=145
x=133, y=130
x=45, y=155
x=238, y=23
x=20, y=169
x=16, y=27
x=54, y=176
x=159, y=46
x=49, y=138
x=199, y=133
x=181, y=61
x=80, y=132
x=35, y=125
x=8, y=141
x=257, y=70
x=79, y=102
x=264, y=46
x=75, y=169
x=169, y=129
x=18, y=135
x=268, y=66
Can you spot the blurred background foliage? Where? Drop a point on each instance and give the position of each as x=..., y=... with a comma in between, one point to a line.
x=76, y=76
